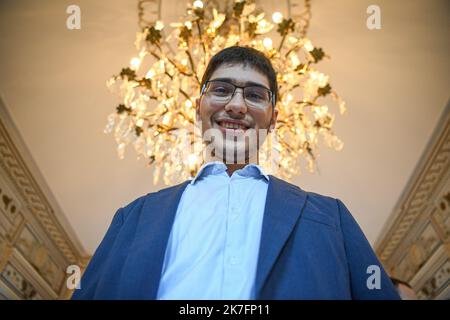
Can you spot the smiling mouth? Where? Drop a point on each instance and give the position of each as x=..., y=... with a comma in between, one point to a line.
x=229, y=125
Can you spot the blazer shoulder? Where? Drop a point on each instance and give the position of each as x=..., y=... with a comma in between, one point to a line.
x=316, y=200
x=321, y=201
x=322, y=207
x=317, y=206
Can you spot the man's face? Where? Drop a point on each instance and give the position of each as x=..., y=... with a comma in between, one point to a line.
x=236, y=113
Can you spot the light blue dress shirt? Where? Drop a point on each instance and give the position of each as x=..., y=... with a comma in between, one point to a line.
x=213, y=247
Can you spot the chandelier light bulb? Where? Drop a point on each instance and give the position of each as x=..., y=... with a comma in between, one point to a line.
x=135, y=63
x=277, y=17
x=198, y=4
x=140, y=122
x=308, y=45
x=150, y=74
x=267, y=42
x=159, y=25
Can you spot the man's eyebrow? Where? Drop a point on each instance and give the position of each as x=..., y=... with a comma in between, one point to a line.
x=240, y=83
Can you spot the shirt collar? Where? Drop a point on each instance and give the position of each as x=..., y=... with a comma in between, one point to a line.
x=217, y=167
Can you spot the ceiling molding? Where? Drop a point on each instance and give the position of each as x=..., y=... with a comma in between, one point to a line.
x=23, y=173
x=418, y=230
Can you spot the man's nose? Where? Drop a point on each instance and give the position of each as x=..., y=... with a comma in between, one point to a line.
x=237, y=102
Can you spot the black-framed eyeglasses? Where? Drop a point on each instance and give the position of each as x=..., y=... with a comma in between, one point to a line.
x=220, y=91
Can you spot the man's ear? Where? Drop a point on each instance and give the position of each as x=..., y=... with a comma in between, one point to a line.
x=273, y=119
x=197, y=108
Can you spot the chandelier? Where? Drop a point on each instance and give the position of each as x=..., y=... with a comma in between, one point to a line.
x=157, y=90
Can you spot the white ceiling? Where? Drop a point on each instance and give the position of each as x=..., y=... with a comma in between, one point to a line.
x=395, y=82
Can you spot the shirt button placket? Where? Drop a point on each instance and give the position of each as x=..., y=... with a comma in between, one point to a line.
x=231, y=266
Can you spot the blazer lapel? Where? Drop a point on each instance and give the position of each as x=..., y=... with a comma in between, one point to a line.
x=284, y=204
x=146, y=257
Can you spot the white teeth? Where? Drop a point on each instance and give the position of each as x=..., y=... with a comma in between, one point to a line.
x=230, y=125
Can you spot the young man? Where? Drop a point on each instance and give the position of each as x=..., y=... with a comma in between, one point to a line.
x=234, y=232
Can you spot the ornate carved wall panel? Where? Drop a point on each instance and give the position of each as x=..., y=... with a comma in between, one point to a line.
x=35, y=247
x=414, y=245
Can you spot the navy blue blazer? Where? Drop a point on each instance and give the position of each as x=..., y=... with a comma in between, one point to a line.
x=311, y=248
